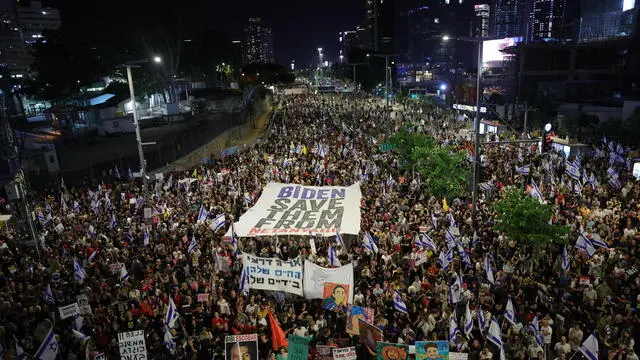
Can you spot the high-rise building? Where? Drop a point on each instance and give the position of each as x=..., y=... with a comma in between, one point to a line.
x=508, y=18
x=379, y=22
x=482, y=19
x=259, y=45
x=607, y=19
x=21, y=27
x=547, y=20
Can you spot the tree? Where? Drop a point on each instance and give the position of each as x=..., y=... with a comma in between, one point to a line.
x=525, y=220
x=441, y=168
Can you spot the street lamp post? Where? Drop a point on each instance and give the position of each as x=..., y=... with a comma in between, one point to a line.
x=387, y=74
x=319, y=65
x=136, y=122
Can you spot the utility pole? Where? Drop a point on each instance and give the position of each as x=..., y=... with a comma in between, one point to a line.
x=387, y=75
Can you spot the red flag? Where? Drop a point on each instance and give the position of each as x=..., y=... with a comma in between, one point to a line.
x=278, y=337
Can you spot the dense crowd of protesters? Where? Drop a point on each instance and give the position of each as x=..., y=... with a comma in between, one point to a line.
x=104, y=223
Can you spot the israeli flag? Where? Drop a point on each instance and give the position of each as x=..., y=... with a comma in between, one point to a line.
x=202, y=214
x=192, y=245
x=76, y=206
x=78, y=322
x=535, y=192
x=455, y=291
x=445, y=259
x=333, y=257
x=565, y=259
x=449, y=238
x=130, y=173
x=468, y=322
x=124, y=274
x=20, y=355
x=217, y=223
x=63, y=204
x=117, y=172
x=524, y=170
x=286, y=163
x=169, y=342
x=107, y=202
x=49, y=348
x=369, y=243
x=474, y=240
x=172, y=314
x=536, y=331
x=339, y=240
x=453, y=329
x=398, y=303
x=146, y=237
x=615, y=182
x=485, y=186
x=48, y=220
x=170, y=182
x=78, y=271
x=482, y=322
x=244, y=281
x=573, y=171
x=596, y=240
x=495, y=333
x=248, y=199
x=589, y=347
x=48, y=295
x=114, y=222
x=426, y=241
x=585, y=244
x=510, y=313
x=489, y=271
x=79, y=336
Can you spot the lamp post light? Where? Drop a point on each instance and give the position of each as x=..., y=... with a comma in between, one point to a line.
x=136, y=123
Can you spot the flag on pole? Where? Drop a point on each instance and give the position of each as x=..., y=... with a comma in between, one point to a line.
x=535, y=192
x=49, y=348
x=202, y=214
x=278, y=337
x=427, y=241
x=585, y=244
x=468, y=322
x=48, y=295
x=339, y=240
x=445, y=259
x=596, y=240
x=488, y=270
x=169, y=342
x=524, y=170
x=455, y=290
x=510, y=313
x=244, y=281
x=79, y=336
x=333, y=257
x=192, y=245
x=482, y=322
x=146, y=236
x=495, y=333
x=398, y=303
x=124, y=274
x=78, y=322
x=453, y=329
x=117, y=172
x=217, y=223
x=565, y=259
x=172, y=314
x=114, y=222
x=92, y=256
x=589, y=348
x=369, y=243
x=78, y=271
x=536, y=331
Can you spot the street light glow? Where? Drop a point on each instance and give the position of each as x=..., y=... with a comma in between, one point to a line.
x=446, y=38
x=157, y=59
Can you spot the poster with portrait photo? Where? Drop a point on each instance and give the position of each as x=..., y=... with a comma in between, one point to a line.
x=335, y=297
x=355, y=314
x=369, y=336
x=241, y=347
x=390, y=351
x=432, y=350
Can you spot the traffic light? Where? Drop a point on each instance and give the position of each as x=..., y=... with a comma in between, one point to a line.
x=547, y=138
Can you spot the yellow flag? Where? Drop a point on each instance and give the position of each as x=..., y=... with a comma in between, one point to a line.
x=304, y=150
x=445, y=206
x=194, y=173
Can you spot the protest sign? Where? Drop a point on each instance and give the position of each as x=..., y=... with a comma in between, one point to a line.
x=286, y=209
x=68, y=310
x=244, y=347
x=83, y=304
x=348, y=353
x=354, y=315
x=298, y=347
x=334, y=296
x=274, y=274
x=203, y=297
x=389, y=351
x=369, y=336
x=432, y=350
x=132, y=345
x=315, y=277
x=324, y=352
x=458, y=356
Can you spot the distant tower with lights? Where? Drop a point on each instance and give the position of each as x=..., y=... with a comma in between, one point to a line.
x=259, y=43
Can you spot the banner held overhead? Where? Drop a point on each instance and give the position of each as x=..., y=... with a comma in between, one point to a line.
x=287, y=209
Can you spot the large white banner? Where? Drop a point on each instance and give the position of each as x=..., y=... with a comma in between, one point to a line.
x=132, y=345
x=315, y=277
x=286, y=209
x=274, y=274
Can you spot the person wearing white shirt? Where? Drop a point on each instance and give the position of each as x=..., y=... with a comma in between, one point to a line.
x=562, y=347
x=533, y=350
x=301, y=330
x=358, y=298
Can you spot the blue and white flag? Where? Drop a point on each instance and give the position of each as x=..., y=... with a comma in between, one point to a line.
x=130, y=173
x=455, y=290
x=169, y=342
x=369, y=244
x=217, y=223
x=192, y=245
x=426, y=241
x=48, y=295
x=92, y=256
x=474, y=240
x=485, y=186
x=524, y=170
x=333, y=257
x=146, y=237
x=78, y=271
x=585, y=244
x=489, y=271
x=248, y=199
x=124, y=274
x=114, y=222
x=565, y=259
x=510, y=313
x=398, y=303
x=172, y=314
x=49, y=348
x=339, y=240
x=445, y=259
x=20, y=355
x=139, y=202
x=79, y=336
x=63, y=204
x=203, y=214
x=615, y=182
x=468, y=322
x=495, y=333
x=107, y=202
x=76, y=207
x=482, y=322
x=117, y=172
x=453, y=329
x=449, y=238
x=589, y=347
x=535, y=328
x=244, y=281
x=572, y=170
x=535, y=192
x=596, y=240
